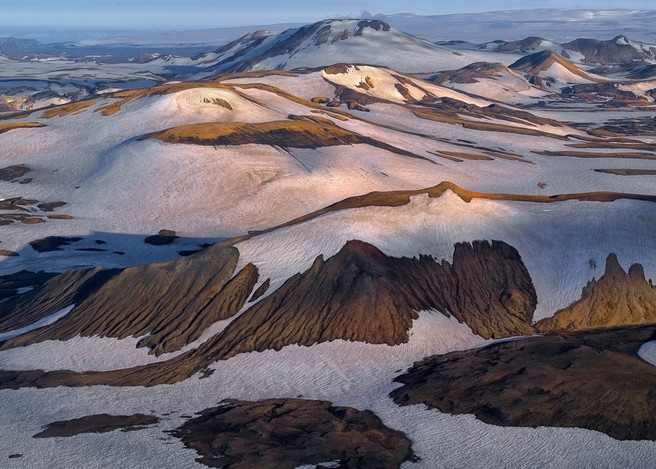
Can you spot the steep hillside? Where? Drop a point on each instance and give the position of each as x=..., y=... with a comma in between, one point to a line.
x=617, y=298
x=552, y=70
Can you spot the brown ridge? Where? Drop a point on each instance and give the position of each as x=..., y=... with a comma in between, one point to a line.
x=359, y=294
x=628, y=172
x=297, y=132
x=66, y=109
x=638, y=155
x=18, y=125
x=435, y=115
x=398, y=198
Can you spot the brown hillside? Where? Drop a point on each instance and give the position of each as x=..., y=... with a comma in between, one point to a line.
x=171, y=302
x=297, y=132
x=539, y=62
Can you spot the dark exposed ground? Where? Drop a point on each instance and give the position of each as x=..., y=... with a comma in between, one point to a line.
x=592, y=380
x=287, y=433
x=99, y=423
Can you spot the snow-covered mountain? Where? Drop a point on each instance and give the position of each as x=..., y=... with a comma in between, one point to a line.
x=349, y=41
x=617, y=51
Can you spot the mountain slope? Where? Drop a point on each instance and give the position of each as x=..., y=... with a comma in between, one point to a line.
x=554, y=68
x=619, y=50
x=334, y=41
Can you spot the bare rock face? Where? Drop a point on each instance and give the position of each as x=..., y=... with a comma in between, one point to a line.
x=592, y=380
x=618, y=298
x=361, y=294
x=170, y=302
x=288, y=433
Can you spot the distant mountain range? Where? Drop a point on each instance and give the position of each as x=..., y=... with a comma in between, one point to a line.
x=55, y=75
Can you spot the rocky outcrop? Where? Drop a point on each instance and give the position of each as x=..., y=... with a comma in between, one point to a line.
x=288, y=433
x=592, y=380
x=171, y=303
x=361, y=294
x=99, y=423
x=14, y=172
x=617, y=299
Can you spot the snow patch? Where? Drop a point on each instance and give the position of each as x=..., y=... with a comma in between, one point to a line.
x=648, y=352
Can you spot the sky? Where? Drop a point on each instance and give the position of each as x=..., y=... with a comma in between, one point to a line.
x=197, y=14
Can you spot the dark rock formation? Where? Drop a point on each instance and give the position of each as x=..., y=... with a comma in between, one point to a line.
x=52, y=293
x=162, y=238
x=14, y=172
x=261, y=290
x=361, y=294
x=99, y=423
x=535, y=64
x=617, y=299
x=287, y=433
x=171, y=302
x=51, y=206
x=52, y=243
x=591, y=380
x=9, y=285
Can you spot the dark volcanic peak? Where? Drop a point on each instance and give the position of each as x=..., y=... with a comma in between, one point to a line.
x=619, y=50
x=536, y=64
x=361, y=294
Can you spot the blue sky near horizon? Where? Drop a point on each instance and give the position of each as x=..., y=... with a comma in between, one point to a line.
x=193, y=14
